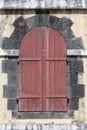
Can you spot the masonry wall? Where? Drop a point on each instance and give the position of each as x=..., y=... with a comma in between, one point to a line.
x=79, y=29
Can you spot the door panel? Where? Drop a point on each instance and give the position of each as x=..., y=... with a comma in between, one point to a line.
x=30, y=65
x=54, y=72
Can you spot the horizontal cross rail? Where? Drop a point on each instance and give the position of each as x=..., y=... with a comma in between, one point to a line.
x=28, y=59
x=56, y=59
x=28, y=97
x=61, y=96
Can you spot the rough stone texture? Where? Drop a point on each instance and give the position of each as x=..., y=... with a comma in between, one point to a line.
x=74, y=42
x=10, y=66
x=13, y=78
x=76, y=65
x=50, y=126
x=75, y=91
x=53, y=21
x=63, y=26
x=12, y=104
x=10, y=91
x=55, y=4
x=41, y=115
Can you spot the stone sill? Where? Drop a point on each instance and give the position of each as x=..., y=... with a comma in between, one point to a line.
x=43, y=126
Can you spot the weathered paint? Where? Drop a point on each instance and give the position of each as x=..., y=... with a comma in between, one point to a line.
x=36, y=44
x=52, y=4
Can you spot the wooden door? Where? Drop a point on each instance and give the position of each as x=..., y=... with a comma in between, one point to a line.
x=42, y=65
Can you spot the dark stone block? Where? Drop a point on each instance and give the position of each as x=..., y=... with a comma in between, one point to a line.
x=12, y=104
x=76, y=91
x=5, y=66
x=72, y=62
x=74, y=43
x=73, y=103
x=75, y=65
x=14, y=114
x=66, y=22
x=73, y=91
x=20, y=23
x=42, y=115
x=79, y=67
x=17, y=35
x=9, y=43
x=63, y=25
x=73, y=78
x=72, y=58
x=67, y=35
x=13, y=66
x=10, y=91
x=53, y=21
x=40, y=20
x=81, y=91
x=43, y=20
x=32, y=22
x=10, y=66
x=12, y=78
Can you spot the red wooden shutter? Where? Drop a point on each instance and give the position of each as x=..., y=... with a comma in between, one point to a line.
x=42, y=64
x=54, y=71
x=30, y=66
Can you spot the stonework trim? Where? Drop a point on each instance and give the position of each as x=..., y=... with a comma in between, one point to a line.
x=70, y=52
x=74, y=66
x=43, y=4
x=53, y=126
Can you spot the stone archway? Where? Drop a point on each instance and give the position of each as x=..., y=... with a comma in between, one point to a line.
x=63, y=26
